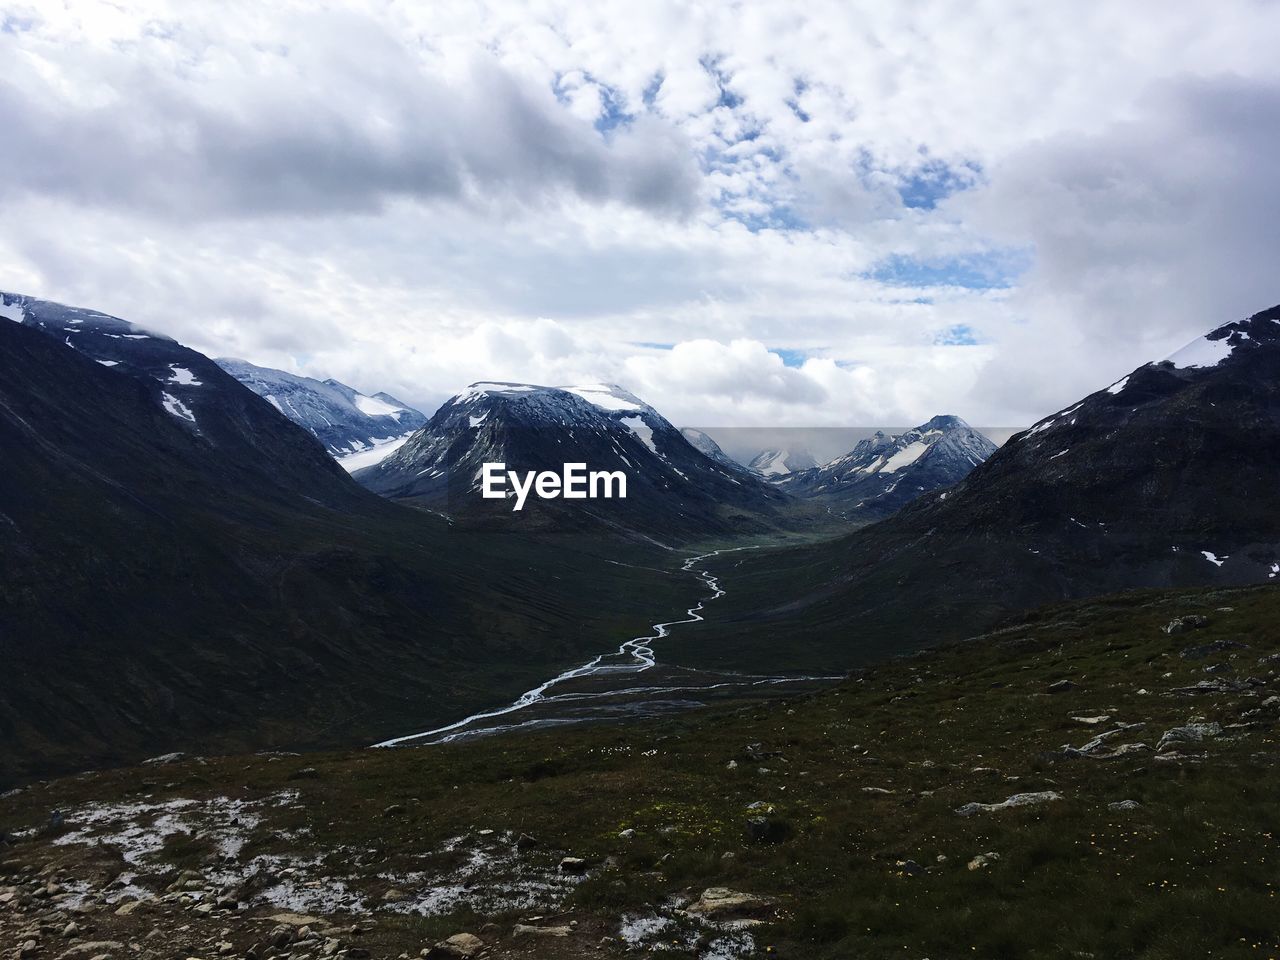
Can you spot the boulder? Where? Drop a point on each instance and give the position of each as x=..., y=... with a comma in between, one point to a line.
x=1124, y=806
x=1183, y=624
x=1017, y=800
x=1190, y=733
x=1061, y=686
x=983, y=860
x=527, y=930
x=464, y=945
x=721, y=903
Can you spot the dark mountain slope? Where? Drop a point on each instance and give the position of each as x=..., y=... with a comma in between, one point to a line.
x=164, y=587
x=1170, y=477
x=251, y=439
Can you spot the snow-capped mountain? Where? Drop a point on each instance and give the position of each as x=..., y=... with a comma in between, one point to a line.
x=883, y=472
x=774, y=464
x=206, y=403
x=345, y=420
x=673, y=489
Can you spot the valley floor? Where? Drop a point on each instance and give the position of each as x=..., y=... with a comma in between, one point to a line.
x=1080, y=784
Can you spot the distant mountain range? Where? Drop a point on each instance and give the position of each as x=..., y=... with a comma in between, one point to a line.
x=343, y=419
x=1169, y=477
x=675, y=491
x=884, y=473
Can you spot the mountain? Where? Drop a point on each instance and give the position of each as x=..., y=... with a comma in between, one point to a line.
x=779, y=463
x=884, y=473
x=184, y=568
x=703, y=443
x=254, y=444
x=343, y=419
x=673, y=490
x=1169, y=477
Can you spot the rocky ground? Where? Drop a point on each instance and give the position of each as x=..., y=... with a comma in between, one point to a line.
x=1096, y=781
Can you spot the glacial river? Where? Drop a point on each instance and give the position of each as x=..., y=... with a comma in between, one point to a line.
x=626, y=683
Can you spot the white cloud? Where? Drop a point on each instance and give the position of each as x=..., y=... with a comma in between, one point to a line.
x=412, y=196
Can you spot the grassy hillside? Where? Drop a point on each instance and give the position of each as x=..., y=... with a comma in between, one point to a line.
x=839, y=811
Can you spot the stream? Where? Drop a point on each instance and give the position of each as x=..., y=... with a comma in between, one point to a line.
x=628, y=683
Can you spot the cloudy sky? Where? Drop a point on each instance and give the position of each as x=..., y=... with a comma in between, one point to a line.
x=806, y=214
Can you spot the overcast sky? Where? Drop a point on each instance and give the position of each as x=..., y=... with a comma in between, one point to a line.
x=807, y=214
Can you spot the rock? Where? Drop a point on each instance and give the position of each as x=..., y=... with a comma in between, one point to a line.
x=295, y=920
x=29, y=948
x=1183, y=624
x=395, y=895
x=983, y=860
x=909, y=868
x=463, y=945
x=1124, y=806
x=627, y=834
x=573, y=865
x=526, y=930
x=56, y=821
x=394, y=810
x=880, y=790
x=721, y=903
x=526, y=842
x=1191, y=733
x=765, y=830
x=1204, y=650
x=305, y=773
x=126, y=909
x=1093, y=721
x=1017, y=800
x=1061, y=686
x=164, y=759
x=92, y=949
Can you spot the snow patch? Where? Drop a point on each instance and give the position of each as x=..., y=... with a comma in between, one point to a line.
x=1213, y=558
x=176, y=407
x=376, y=454
x=1118, y=386
x=13, y=311
x=642, y=430
x=373, y=407
x=183, y=377
x=606, y=397
x=905, y=457
x=1201, y=353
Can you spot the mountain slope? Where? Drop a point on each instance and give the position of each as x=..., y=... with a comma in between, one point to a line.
x=884, y=473
x=673, y=490
x=169, y=585
x=343, y=419
x=703, y=443
x=1169, y=477
x=253, y=442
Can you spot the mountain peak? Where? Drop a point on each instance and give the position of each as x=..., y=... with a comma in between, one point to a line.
x=883, y=473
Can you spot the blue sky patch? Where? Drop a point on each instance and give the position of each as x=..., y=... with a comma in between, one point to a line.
x=790, y=358
x=935, y=180
x=957, y=335
x=996, y=270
